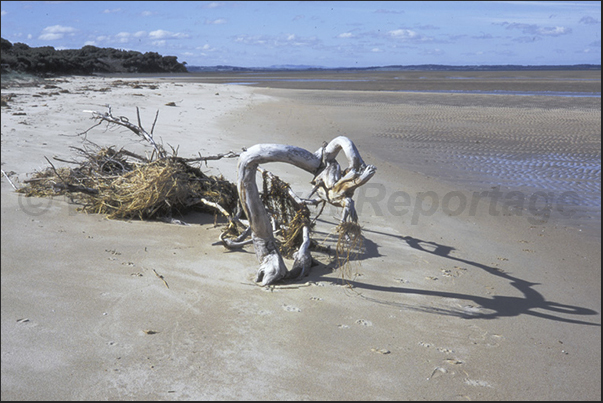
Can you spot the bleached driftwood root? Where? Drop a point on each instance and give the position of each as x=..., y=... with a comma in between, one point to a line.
x=330, y=185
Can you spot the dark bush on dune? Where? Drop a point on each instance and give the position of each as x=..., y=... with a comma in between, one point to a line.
x=46, y=60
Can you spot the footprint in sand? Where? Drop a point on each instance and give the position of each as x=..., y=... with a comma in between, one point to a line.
x=483, y=337
x=440, y=349
x=477, y=383
x=437, y=372
x=290, y=308
x=264, y=313
x=364, y=322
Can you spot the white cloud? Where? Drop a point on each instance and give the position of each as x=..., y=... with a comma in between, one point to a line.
x=345, y=35
x=554, y=31
x=533, y=29
x=58, y=29
x=50, y=37
x=115, y=10
x=433, y=52
x=161, y=34
x=214, y=4
x=55, y=32
x=139, y=34
x=403, y=34
x=218, y=21
x=4, y=13
x=123, y=37
x=158, y=43
x=278, y=41
x=407, y=36
x=206, y=47
x=147, y=13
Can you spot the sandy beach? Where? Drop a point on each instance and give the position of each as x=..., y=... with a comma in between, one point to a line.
x=480, y=277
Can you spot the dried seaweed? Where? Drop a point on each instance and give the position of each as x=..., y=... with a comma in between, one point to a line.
x=109, y=182
x=286, y=211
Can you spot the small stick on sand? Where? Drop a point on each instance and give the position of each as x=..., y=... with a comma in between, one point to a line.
x=162, y=279
x=9, y=181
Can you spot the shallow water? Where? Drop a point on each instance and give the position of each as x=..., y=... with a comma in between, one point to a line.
x=497, y=92
x=517, y=93
x=549, y=151
x=557, y=172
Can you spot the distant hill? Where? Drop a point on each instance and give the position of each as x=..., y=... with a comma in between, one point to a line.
x=419, y=67
x=87, y=60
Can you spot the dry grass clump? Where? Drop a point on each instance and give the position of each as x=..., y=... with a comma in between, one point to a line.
x=109, y=182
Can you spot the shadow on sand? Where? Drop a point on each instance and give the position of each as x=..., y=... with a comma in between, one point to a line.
x=497, y=306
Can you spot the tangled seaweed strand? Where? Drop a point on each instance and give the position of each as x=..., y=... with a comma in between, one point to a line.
x=349, y=244
x=290, y=215
x=275, y=196
x=293, y=233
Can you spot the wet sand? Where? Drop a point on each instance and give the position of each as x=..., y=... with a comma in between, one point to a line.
x=447, y=303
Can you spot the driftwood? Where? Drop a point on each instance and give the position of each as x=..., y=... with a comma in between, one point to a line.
x=331, y=185
x=109, y=182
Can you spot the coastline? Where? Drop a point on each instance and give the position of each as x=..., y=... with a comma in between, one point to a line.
x=451, y=307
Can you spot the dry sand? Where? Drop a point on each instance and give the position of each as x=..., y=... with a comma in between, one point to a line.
x=443, y=306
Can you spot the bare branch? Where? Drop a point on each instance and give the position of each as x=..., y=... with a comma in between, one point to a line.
x=155, y=121
x=9, y=181
x=123, y=121
x=330, y=184
x=229, y=154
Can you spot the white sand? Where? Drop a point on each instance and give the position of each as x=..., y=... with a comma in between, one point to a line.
x=451, y=308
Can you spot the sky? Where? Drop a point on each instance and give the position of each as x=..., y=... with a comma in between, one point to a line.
x=319, y=33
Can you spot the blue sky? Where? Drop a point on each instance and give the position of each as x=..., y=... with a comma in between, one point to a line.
x=319, y=33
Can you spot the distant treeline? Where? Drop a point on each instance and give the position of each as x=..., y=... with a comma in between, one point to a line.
x=418, y=67
x=46, y=60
